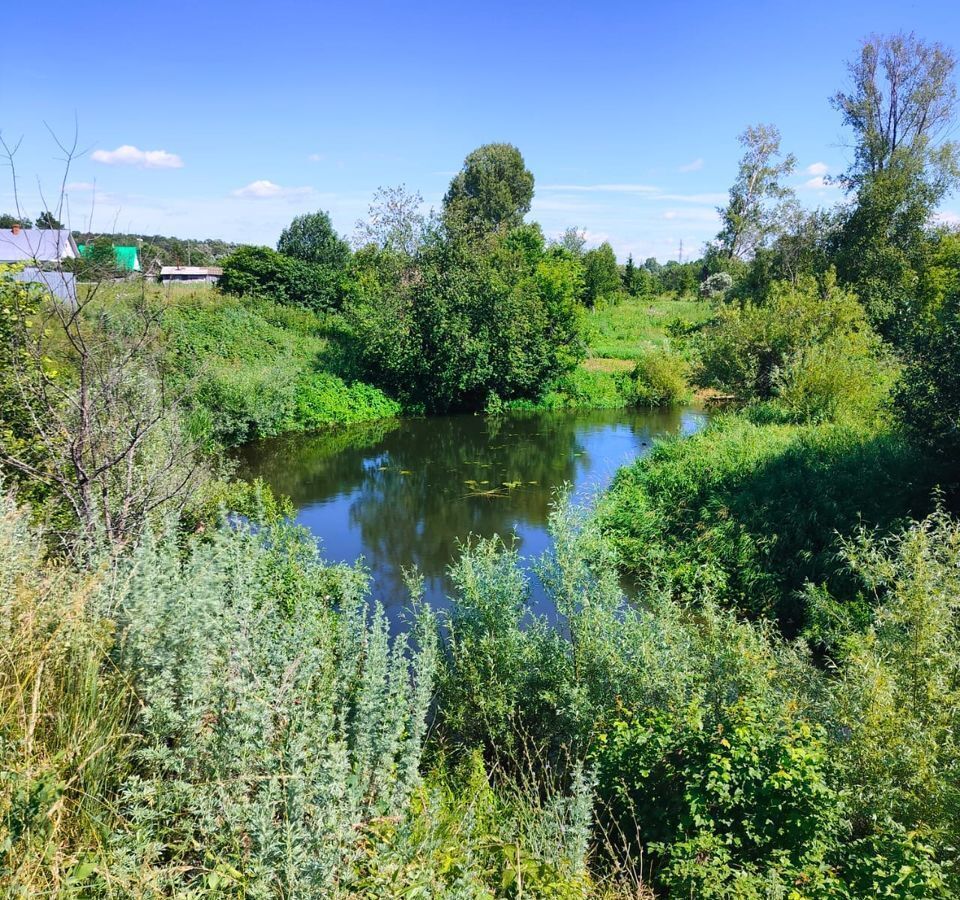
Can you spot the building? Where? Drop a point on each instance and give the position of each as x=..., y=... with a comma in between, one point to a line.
x=39, y=246
x=127, y=258
x=190, y=274
x=62, y=285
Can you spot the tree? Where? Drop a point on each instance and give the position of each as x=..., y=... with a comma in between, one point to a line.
x=394, y=221
x=492, y=192
x=466, y=321
x=901, y=102
x=8, y=221
x=573, y=241
x=311, y=238
x=260, y=271
x=601, y=274
x=86, y=414
x=630, y=276
x=900, y=106
x=99, y=259
x=48, y=220
x=757, y=198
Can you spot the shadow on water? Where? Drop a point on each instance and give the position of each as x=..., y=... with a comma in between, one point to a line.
x=406, y=492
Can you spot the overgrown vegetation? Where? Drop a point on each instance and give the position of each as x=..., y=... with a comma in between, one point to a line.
x=193, y=703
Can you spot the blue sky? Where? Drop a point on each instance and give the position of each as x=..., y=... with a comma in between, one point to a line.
x=627, y=113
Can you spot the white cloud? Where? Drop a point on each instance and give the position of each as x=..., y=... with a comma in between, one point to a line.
x=819, y=183
x=81, y=186
x=264, y=189
x=602, y=188
x=948, y=218
x=695, y=198
x=317, y=157
x=128, y=155
x=694, y=166
x=817, y=168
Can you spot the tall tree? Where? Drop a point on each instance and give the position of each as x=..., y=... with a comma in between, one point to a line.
x=900, y=108
x=630, y=275
x=901, y=102
x=601, y=275
x=492, y=192
x=757, y=198
x=49, y=221
x=573, y=240
x=394, y=221
x=312, y=238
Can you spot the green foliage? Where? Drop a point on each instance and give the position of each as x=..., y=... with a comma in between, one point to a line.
x=659, y=379
x=715, y=286
x=492, y=191
x=253, y=369
x=748, y=513
x=262, y=272
x=311, y=238
x=928, y=395
x=601, y=275
x=99, y=260
x=732, y=797
x=758, y=200
x=809, y=345
x=47, y=219
x=467, y=320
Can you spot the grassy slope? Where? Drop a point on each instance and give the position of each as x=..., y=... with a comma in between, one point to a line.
x=637, y=325
x=262, y=369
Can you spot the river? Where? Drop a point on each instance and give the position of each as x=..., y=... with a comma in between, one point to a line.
x=406, y=492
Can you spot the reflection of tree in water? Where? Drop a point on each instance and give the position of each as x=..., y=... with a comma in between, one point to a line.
x=416, y=518
x=407, y=482
x=311, y=467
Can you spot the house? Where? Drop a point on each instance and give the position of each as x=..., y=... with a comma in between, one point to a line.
x=190, y=274
x=40, y=246
x=62, y=285
x=127, y=258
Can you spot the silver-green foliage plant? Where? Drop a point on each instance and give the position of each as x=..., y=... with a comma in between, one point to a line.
x=273, y=724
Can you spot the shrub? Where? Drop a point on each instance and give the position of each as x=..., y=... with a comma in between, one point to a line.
x=660, y=379
x=729, y=799
x=467, y=319
x=758, y=351
x=747, y=513
x=252, y=370
x=928, y=396
x=262, y=272
x=715, y=286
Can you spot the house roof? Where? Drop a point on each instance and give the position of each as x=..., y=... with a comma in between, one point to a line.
x=127, y=258
x=39, y=244
x=190, y=270
x=62, y=285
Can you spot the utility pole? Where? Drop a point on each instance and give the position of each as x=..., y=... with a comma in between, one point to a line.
x=680, y=254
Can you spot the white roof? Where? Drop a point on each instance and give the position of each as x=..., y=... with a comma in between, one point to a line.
x=190, y=270
x=40, y=244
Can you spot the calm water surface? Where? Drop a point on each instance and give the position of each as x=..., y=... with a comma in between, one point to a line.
x=404, y=492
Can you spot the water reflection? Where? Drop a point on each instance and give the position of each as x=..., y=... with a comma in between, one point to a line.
x=404, y=493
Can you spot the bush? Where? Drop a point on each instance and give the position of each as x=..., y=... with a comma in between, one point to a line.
x=813, y=345
x=715, y=286
x=262, y=272
x=928, y=396
x=467, y=319
x=660, y=379
x=748, y=513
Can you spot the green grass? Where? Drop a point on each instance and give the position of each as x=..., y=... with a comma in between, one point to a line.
x=261, y=369
x=637, y=325
x=750, y=513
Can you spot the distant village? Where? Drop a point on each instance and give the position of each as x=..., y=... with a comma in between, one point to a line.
x=53, y=257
